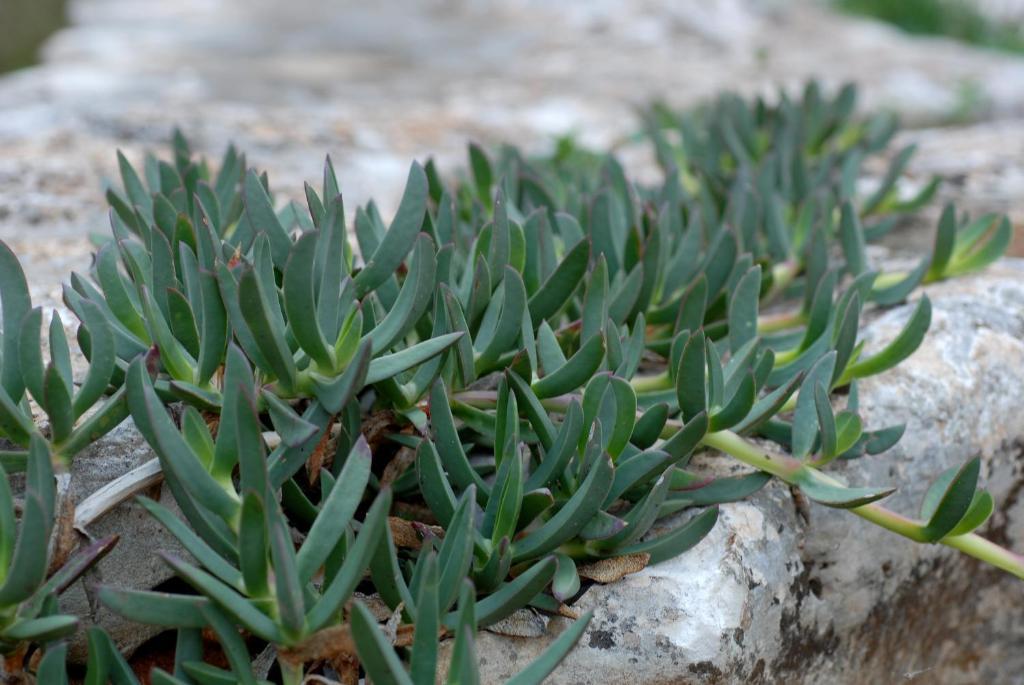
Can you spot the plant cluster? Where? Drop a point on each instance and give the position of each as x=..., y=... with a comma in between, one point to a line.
x=494, y=405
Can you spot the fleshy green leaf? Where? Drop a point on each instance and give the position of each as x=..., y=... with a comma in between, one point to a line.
x=561, y=284
x=566, y=582
x=434, y=483
x=155, y=608
x=838, y=496
x=574, y=373
x=255, y=304
x=743, y=309
x=376, y=655
x=102, y=358
x=351, y=572
x=677, y=541
x=901, y=347
x=571, y=518
x=28, y=563
x=264, y=220
x=982, y=506
x=336, y=511
x=163, y=436
x=541, y=667
x=399, y=237
x=691, y=390
x=41, y=629
x=299, y=301
x=390, y=365
x=949, y=499
x=413, y=299
x=945, y=241
x=16, y=303
x=506, y=331
x=648, y=427
x=515, y=594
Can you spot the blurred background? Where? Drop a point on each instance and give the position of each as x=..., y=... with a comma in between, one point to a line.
x=376, y=84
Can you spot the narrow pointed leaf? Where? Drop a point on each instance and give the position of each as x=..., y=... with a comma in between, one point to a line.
x=399, y=237
x=390, y=365
x=838, y=496
x=336, y=511
x=574, y=373
x=949, y=499
x=677, y=541
x=561, y=284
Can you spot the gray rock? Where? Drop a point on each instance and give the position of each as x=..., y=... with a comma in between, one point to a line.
x=133, y=562
x=768, y=597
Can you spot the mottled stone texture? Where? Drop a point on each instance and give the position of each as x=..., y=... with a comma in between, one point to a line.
x=770, y=597
x=133, y=563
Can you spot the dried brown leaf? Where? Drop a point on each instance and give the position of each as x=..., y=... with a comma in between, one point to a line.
x=615, y=568
x=329, y=643
x=521, y=623
x=322, y=454
x=401, y=462
x=405, y=534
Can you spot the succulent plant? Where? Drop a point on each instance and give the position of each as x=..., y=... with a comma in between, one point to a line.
x=37, y=563
x=76, y=416
x=28, y=589
x=383, y=666
x=475, y=404
x=249, y=570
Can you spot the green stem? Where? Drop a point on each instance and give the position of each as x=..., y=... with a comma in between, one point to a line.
x=658, y=381
x=786, y=468
x=989, y=552
x=783, y=275
x=790, y=404
x=291, y=674
x=782, y=321
x=885, y=280
x=781, y=466
x=786, y=356
x=488, y=399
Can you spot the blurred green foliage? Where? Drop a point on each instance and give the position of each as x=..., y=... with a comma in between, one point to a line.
x=953, y=18
x=24, y=25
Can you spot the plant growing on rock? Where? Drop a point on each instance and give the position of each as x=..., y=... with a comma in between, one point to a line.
x=30, y=577
x=75, y=416
x=497, y=403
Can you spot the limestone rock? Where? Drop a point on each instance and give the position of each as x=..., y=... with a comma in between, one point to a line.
x=767, y=597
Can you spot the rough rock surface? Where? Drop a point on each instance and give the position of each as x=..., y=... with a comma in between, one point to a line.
x=133, y=563
x=771, y=597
